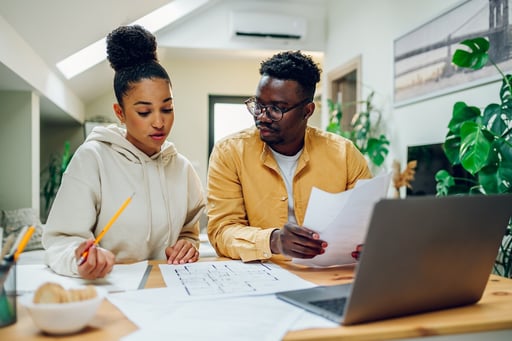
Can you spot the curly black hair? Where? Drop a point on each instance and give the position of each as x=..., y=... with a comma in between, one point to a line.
x=293, y=65
x=131, y=52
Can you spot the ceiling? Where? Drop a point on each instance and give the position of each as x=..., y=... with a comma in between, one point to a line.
x=55, y=29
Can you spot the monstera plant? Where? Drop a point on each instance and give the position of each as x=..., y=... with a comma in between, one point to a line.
x=364, y=129
x=481, y=142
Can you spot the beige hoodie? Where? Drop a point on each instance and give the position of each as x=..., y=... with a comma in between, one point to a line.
x=102, y=174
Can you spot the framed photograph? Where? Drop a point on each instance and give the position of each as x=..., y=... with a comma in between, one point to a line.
x=422, y=57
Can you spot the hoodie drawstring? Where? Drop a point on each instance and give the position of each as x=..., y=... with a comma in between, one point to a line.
x=148, y=201
x=163, y=183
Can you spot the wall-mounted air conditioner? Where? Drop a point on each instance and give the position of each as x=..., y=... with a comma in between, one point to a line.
x=267, y=25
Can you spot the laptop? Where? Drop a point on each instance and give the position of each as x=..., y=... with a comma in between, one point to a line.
x=420, y=254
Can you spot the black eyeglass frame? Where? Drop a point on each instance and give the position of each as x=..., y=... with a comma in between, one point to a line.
x=252, y=101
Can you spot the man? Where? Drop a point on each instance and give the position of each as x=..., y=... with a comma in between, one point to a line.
x=260, y=179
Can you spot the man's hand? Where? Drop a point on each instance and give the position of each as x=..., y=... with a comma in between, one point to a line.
x=182, y=252
x=296, y=241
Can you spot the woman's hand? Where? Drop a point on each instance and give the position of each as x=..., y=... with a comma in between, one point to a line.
x=99, y=262
x=182, y=252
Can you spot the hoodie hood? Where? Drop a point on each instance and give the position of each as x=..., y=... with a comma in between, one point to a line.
x=115, y=136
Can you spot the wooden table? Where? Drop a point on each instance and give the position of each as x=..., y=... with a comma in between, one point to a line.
x=493, y=312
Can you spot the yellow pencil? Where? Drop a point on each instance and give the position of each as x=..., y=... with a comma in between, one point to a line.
x=83, y=257
x=23, y=242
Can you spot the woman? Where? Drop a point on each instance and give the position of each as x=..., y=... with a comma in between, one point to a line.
x=162, y=219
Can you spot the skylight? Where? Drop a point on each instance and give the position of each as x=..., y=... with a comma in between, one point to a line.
x=154, y=21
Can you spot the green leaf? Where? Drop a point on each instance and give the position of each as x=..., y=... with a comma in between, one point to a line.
x=66, y=157
x=377, y=149
x=475, y=147
x=444, y=182
x=492, y=119
x=504, y=149
x=497, y=178
x=506, y=93
x=505, y=177
x=460, y=114
x=347, y=134
x=334, y=128
x=361, y=125
x=488, y=179
x=451, y=147
x=477, y=56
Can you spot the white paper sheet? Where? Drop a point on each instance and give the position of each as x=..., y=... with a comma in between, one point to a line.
x=262, y=318
x=142, y=307
x=123, y=277
x=148, y=307
x=228, y=279
x=342, y=219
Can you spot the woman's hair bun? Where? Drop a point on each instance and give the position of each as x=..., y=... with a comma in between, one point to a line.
x=130, y=45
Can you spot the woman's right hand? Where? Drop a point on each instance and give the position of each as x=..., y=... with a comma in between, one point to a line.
x=99, y=261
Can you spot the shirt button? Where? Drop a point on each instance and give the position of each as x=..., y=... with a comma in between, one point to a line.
x=283, y=198
x=265, y=254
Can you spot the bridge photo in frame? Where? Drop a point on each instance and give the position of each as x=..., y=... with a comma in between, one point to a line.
x=422, y=57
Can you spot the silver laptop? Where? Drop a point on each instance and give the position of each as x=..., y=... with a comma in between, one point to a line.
x=420, y=254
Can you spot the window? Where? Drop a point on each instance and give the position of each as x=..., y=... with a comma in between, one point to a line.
x=227, y=114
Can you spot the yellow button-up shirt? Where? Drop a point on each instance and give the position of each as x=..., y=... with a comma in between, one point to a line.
x=247, y=197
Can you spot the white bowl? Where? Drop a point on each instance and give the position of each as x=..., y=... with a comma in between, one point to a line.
x=62, y=318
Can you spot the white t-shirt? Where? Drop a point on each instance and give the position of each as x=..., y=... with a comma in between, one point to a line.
x=287, y=166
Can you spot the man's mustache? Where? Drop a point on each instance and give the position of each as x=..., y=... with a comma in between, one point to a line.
x=259, y=124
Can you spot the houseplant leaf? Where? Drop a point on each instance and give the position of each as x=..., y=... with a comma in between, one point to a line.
x=492, y=119
x=451, y=147
x=377, y=149
x=488, y=179
x=334, y=127
x=505, y=149
x=474, y=148
x=361, y=127
x=444, y=182
x=476, y=57
x=506, y=93
x=505, y=177
x=460, y=114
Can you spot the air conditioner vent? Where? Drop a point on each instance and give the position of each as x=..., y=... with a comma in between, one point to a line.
x=267, y=25
x=268, y=35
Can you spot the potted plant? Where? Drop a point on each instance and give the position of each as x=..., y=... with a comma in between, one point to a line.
x=52, y=175
x=365, y=128
x=481, y=142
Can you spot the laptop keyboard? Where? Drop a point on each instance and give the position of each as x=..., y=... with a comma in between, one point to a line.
x=334, y=305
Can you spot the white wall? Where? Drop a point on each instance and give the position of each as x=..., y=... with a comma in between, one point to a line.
x=18, y=56
x=19, y=150
x=369, y=28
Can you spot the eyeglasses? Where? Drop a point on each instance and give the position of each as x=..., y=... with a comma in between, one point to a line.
x=273, y=112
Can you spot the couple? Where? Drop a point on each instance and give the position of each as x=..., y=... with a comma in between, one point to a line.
x=259, y=180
